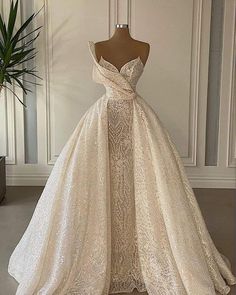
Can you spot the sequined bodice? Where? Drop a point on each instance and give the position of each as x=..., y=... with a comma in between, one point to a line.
x=131, y=71
x=119, y=84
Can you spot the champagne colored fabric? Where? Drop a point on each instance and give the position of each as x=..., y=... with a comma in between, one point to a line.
x=118, y=211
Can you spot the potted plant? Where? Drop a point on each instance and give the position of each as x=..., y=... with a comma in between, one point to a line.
x=16, y=48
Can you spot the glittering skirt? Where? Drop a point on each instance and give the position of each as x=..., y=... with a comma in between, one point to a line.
x=108, y=219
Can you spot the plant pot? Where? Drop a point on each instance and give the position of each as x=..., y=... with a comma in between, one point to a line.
x=2, y=178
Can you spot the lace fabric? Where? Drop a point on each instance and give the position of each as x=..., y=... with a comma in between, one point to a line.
x=125, y=266
x=108, y=218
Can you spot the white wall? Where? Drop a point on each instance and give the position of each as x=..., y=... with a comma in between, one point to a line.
x=175, y=81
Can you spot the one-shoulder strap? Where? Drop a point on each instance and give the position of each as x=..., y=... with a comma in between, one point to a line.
x=106, y=73
x=91, y=47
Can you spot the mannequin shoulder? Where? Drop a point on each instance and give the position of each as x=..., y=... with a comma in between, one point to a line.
x=101, y=47
x=101, y=44
x=143, y=49
x=143, y=46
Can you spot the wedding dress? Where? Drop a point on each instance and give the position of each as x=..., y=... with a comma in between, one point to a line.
x=118, y=211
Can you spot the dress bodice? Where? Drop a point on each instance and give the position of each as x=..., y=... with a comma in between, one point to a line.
x=119, y=84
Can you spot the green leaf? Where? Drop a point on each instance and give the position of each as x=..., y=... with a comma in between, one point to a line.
x=27, y=81
x=1, y=53
x=3, y=29
x=15, y=95
x=25, y=71
x=8, y=55
x=16, y=73
x=19, y=62
x=21, y=85
x=32, y=72
x=22, y=28
x=1, y=46
x=22, y=38
x=8, y=78
x=27, y=44
x=1, y=77
x=17, y=49
x=16, y=70
x=20, y=55
x=12, y=19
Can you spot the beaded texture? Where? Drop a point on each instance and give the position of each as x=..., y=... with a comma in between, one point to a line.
x=118, y=211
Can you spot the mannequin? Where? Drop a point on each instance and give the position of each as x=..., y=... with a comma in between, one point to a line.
x=121, y=48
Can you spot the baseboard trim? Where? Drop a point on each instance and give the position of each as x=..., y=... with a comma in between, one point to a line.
x=196, y=181
x=27, y=180
x=212, y=182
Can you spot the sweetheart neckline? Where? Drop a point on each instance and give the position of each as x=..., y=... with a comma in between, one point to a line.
x=138, y=58
x=92, y=51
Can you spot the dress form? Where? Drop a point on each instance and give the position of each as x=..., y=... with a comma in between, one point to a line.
x=121, y=48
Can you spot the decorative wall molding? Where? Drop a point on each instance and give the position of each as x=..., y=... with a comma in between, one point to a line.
x=227, y=130
x=8, y=135
x=48, y=37
x=191, y=160
x=223, y=176
x=231, y=155
x=11, y=131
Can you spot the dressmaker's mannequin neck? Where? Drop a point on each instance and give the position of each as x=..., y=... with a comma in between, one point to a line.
x=121, y=34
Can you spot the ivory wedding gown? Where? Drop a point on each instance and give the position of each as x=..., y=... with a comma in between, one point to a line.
x=118, y=211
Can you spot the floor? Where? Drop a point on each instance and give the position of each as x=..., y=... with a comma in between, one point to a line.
x=218, y=207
